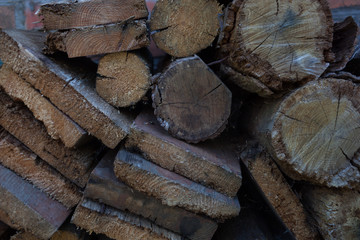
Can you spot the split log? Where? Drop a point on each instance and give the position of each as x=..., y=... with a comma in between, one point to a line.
x=211, y=164
x=69, y=231
x=313, y=132
x=73, y=14
x=190, y=101
x=24, y=236
x=273, y=46
x=172, y=189
x=58, y=125
x=68, y=84
x=122, y=78
x=115, y=224
x=15, y=156
x=335, y=210
x=104, y=187
x=74, y=164
x=184, y=27
x=99, y=39
x=20, y=202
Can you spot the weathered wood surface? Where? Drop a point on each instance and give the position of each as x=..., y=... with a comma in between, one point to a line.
x=69, y=231
x=190, y=101
x=100, y=39
x=313, y=133
x=15, y=156
x=74, y=164
x=104, y=187
x=211, y=163
x=171, y=188
x=24, y=236
x=68, y=84
x=70, y=14
x=58, y=125
x=123, y=79
x=99, y=218
x=29, y=208
x=270, y=47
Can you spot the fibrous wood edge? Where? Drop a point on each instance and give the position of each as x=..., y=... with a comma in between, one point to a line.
x=173, y=189
x=15, y=156
x=71, y=14
x=20, y=201
x=68, y=84
x=74, y=164
x=99, y=39
x=24, y=236
x=69, y=231
x=104, y=187
x=58, y=125
x=98, y=218
x=209, y=164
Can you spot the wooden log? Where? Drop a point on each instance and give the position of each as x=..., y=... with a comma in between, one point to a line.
x=335, y=210
x=15, y=156
x=70, y=14
x=313, y=132
x=58, y=125
x=29, y=208
x=123, y=79
x=190, y=101
x=98, y=218
x=171, y=188
x=184, y=27
x=273, y=46
x=69, y=231
x=99, y=39
x=24, y=236
x=68, y=84
x=104, y=187
x=74, y=164
x=211, y=164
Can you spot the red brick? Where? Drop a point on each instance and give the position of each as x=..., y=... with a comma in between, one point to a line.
x=32, y=20
x=343, y=3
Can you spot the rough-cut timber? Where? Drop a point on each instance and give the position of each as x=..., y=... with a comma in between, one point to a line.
x=74, y=164
x=122, y=78
x=104, y=187
x=184, y=27
x=58, y=125
x=69, y=231
x=211, y=163
x=100, y=39
x=29, y=208
x=313, y=133
x=99, y=218
x=68, y=84
x=171, y=188
x=271, y=46
x=190, y=101
x=15, y=156
x=335, y=210
x=73, y=14
x=24, y=236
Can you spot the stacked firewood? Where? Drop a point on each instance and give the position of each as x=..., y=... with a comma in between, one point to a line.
x=79, y=140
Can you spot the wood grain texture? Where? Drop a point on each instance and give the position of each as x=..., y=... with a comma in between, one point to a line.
x=172, y=189
x=211, y=164
x=70, y=14
x=115, y=224
x=104, y=187
x=68, y=84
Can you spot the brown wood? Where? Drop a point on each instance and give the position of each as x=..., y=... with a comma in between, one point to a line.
x=184, y=27
x=272, y=46
x=123, y=78
x=15, y=156
x=68, y=84
x=99, y=218
x=171, y=188
x=190, y=101
x=58, y=125
x=213, y=163
x=104, y=187
x=313, y=132
x=74, y=164
x=69, y=231
x=70, y=14
x=24, y=236
x=29, y=208
x=100, y=39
